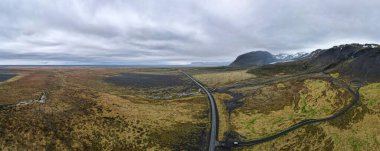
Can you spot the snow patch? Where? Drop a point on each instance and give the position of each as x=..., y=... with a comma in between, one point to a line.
x=282, y=57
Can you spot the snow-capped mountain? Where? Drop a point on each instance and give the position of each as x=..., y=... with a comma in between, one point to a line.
x=282, y=57
x=259, y=58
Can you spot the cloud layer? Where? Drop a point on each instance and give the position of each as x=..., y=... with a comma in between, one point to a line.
x=176, y=32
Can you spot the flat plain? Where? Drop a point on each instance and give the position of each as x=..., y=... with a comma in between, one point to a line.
x=85, y=110
x=119, y=108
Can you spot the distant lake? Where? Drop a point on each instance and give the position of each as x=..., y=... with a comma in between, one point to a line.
x=5, y=77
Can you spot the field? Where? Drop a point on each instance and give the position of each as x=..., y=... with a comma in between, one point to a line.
x=146, y=80
x=267, y=104
x=154, y=85
x=287, y=68
x=84, y=111
x=222, y=78
x=355, y=131
x=265, y=112
x=93, y=108
x=224, y=125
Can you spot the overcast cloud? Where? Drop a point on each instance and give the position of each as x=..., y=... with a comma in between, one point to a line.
x=176, y=31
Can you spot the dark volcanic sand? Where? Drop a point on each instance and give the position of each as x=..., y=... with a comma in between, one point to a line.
x=147, y=80
x=5, y=77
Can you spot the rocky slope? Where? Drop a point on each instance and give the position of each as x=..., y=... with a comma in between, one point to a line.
x=259, y=58
x=283, y=57
x=254, y=58
x=360, y=62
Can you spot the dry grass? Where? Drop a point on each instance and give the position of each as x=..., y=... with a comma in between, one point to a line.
x=85, y=113
x=222, y=78
x=26, y=86
x=371, y=96
x=319, y=99
x=258, y=125
x=335, y=75
x=267, y=98
x=362, y=135
x=306, y=138
x=224, y=125
x=265, y=112
x=166, y=113
x=355, y=131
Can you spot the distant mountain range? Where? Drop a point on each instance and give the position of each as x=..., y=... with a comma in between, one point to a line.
x=357, y=61
x=282, y=57
x=259, y=58
x=208, y=64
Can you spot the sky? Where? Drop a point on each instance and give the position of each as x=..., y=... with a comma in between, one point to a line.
x=176, y=32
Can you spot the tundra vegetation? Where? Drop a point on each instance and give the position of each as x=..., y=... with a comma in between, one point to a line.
x=223, y=77
x=84, y=111
x=161, y=109
x=289, y=97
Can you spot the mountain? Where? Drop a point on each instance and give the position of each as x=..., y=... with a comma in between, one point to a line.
x=207, y=64
x=357, y=61
x=283, y=57
x=259, y=58
x=254, y=58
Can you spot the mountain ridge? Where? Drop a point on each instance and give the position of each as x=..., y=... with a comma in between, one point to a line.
x=356, y=62
x=259, y=58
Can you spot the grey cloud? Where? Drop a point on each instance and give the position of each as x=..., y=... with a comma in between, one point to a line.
x=170, y=31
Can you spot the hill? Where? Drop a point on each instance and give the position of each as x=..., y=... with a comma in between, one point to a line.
x=254, y=58
x=360, y=62
x=259, y=58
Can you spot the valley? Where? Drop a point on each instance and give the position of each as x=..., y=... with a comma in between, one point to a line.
x=317, y=102
x=170, y=75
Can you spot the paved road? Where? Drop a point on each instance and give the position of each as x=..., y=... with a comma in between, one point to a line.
x=214, y=115
x=356, y=99
x=214, y=119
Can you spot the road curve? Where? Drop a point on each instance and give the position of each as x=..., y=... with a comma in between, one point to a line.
x=355, y=100
x=214, y=115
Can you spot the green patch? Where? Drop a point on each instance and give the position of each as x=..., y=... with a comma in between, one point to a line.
x=316, y=85
x=319, y=99
x=357, y=144
x=278, y=120
x=371, y=96
x=303, y=104
x=281, y=86
x=375, y=140
x=326, y=110
x=250, y=125
x=306, y=109
x=291, y=117
x=335, y=75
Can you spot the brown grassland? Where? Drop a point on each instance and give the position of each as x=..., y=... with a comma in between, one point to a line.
x=215, y=79
x=83, y=112
x=355, y=131
x=90, y=108
x=224, y=125
x=272, y=107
